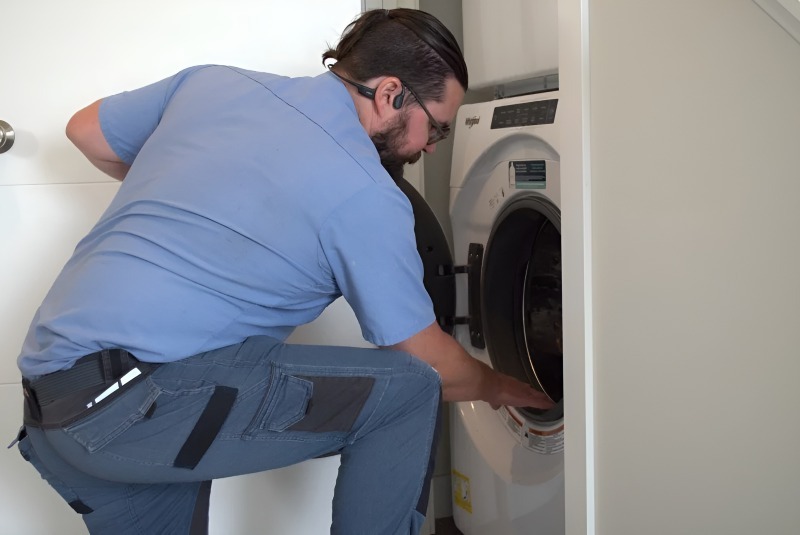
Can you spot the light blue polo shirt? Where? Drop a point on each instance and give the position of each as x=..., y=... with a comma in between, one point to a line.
x=253, y=201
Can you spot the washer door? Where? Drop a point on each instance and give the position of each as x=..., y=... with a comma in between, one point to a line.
x=437, y=262
x=521, y=298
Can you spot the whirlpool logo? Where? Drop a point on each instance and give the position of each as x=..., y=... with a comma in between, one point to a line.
x=472, y=121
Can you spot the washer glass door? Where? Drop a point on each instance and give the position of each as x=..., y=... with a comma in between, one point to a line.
x=521, y=298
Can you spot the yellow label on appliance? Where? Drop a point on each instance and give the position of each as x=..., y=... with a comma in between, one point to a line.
x=462, y=496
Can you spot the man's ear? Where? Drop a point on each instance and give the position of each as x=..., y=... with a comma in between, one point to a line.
x=389, y=95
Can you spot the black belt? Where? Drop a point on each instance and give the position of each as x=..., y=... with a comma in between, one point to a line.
x=98, y=369
x=59, y=397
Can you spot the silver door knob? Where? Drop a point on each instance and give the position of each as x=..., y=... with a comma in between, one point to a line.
x=6, y=136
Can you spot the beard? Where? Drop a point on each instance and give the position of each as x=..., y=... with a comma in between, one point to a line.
x=388, y=145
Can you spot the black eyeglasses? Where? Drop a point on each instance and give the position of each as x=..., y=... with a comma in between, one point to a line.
x=437, y=131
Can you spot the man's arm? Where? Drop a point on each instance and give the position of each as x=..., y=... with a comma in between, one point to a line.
x=83, y=130
x=465, y=378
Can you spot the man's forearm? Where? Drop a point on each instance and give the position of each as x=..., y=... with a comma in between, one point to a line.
x=465, y=378
x=116, y=170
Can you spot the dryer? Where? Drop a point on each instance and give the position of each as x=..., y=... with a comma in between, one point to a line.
x=508, y=465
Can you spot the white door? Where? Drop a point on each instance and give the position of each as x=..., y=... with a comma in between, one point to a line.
x=58, y=57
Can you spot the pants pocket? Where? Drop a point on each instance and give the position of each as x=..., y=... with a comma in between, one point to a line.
x=102, y=426
x=151, y=421
x=285, y=402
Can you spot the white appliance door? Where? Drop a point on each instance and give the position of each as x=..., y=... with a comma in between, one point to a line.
x=59, y=57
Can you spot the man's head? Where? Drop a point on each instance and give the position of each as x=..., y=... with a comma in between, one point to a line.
x=412, y=68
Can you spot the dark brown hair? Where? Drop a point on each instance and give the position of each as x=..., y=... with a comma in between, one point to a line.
x=408, y=43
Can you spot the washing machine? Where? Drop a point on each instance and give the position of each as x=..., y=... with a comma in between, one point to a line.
x=508, y=464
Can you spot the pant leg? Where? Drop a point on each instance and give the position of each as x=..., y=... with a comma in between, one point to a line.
x=384, y=479
x=291, y=403
x=120, y=508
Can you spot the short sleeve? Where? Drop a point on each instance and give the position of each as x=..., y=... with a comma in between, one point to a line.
x=128, y=119
x=370, y=247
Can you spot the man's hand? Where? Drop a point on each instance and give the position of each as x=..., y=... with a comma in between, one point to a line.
x=514, y=393
x=465, y=378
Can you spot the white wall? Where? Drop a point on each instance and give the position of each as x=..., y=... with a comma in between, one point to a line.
x=60, y=57
x=695, y=174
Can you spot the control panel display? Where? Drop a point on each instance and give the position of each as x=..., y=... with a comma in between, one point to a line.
x=527, y=174
x=525, y=114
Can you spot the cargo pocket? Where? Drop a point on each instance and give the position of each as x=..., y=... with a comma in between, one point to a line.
x=285, y=403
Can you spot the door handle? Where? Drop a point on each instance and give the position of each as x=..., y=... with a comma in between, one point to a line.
x=6, y=136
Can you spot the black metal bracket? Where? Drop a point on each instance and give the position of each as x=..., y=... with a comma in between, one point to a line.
x=473, y=272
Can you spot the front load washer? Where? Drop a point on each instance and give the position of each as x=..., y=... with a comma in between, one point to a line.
x=508, y=465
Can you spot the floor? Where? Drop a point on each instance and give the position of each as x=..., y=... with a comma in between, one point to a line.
x=446, y=526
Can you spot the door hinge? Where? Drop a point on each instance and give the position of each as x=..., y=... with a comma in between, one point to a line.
x=473, y=272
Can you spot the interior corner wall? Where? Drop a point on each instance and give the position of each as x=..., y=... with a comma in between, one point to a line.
x=695, y=127
x=437, y=165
